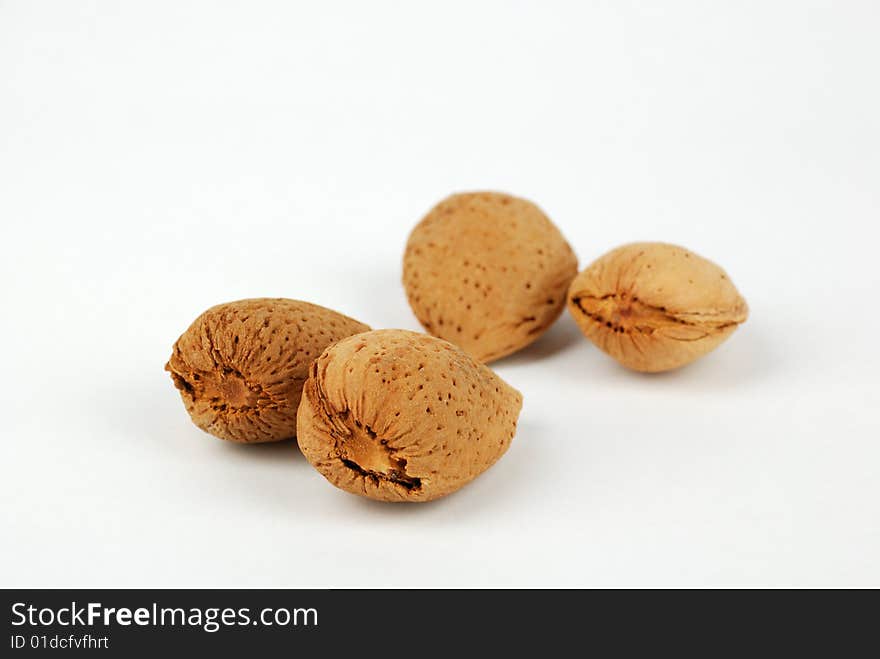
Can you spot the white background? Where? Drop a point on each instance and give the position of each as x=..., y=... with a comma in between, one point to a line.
x=157, y=158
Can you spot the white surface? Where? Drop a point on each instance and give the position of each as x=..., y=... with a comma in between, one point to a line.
x=157, y=158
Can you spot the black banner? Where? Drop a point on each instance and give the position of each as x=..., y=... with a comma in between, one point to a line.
x=128, y=622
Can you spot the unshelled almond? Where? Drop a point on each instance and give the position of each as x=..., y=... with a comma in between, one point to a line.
x=240, y=367
x=395, y=415
x=655, y=306
x=488, y=272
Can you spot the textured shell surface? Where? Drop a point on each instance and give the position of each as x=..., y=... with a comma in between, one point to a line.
x=655, y=306
x=395, y=415
x=488, y=272
x=240, y=367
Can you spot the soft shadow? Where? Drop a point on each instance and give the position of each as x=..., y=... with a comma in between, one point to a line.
x=265, y=451
x=499, y=490
x=563, y=334
x=746, y=358
x=380, y=300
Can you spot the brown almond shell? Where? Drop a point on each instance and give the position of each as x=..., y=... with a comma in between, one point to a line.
x=655, y=306
x=488, y=272
x=240, y=366
x=395, y=415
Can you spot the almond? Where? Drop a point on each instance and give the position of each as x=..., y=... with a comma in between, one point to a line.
x=401, y=416
x=488, y=272
x=655, y=306
x=240, y=367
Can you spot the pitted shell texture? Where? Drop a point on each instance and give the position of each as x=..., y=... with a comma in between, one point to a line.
x=395, y=415
x=488, y=272
x=241, y=366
